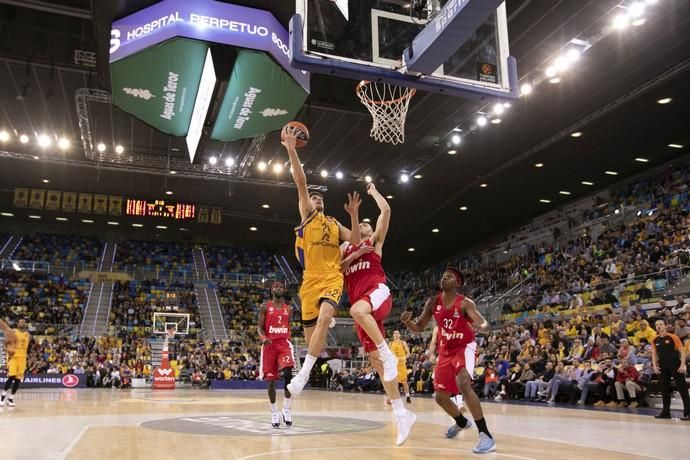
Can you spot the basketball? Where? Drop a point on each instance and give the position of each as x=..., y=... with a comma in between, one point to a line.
x=302, y=136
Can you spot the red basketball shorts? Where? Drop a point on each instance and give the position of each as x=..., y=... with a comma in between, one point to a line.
x=275, y=357
x=449, y=365
x=379, y=297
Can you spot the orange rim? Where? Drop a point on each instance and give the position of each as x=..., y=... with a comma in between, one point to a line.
x=408, y=95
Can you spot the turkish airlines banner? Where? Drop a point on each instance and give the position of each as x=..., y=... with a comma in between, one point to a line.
x=50, y=380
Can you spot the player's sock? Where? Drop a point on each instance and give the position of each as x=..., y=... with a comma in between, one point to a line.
x=309, y=362
x=383, y=349
x=481, y=426
x=398, y=406
x=461, y=421
x=287, y=402
x=274, y=407
x=15, y=386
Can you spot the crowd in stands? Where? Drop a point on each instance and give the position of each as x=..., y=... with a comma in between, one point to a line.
x=134, y=303
x=155, y=257
x=60, y=250
x=41, y=298
x=229, y=260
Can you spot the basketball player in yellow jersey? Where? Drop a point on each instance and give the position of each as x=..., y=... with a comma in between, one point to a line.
x=317, y=247
x=17, y=345
x=402, y=352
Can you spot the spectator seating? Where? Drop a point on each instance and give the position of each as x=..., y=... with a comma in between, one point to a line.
x=156, y=258
x=60, y=250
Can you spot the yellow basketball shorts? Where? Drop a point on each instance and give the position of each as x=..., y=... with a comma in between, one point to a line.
x=318, y=287
x=402, y=372
x=16, y=367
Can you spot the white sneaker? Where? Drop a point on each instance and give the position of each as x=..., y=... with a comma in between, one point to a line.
x=287, y=416
x=275, y=419
x=296, y=386
x=390, y=368
x=10, y=402
x=404, y=423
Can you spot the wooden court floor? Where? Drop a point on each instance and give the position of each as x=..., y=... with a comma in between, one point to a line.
x=199, y=424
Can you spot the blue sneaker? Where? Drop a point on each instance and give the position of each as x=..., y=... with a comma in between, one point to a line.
x=485, y=444
x=454, y=429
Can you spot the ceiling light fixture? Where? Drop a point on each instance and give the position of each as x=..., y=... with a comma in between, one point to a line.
x=664, y=101
x=44, y=141
x=61, y=219
x=410, y=249
x=87, y=221
x=435, y=230
x=277, y=168
x=173, y=172
x=545, y=201
x=265, y=206
x=162, y=227
x=339, y=175
x=586, y=182
x=481, y=120
x=6, y=214
x=137, y=225
x=366, y=219
x=253, y=229
x=389, y=197
x=526, y=89
x=496, y=121
x=100, y=147
x=404, y=178
x=4, y=136
x=452, y=152
x=324, y=173
x=550, y=72
x=119, y=149
x=675, y=146
x=499, y=109
x=555, y=80
x=456, y=139
x=564, y=192
x=463, y=208
x=639, y=22
x=636, y=10
x=611, y=173
x=113, y=223
x=229, y=162
x=46, y=181
x=168, y=192
x=32, y=216
x=642, y=160
x=23, y=138
x=418, y=176
x=576, y=134
x=483, y=185
x=367, y=179
x=213, y=160
x=620, y=21
x=539, y=165
x=262, y=166
x=63, y=143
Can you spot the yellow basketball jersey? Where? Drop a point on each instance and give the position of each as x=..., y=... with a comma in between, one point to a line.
x=20, y=345
x=317, y=243
x=398, y=349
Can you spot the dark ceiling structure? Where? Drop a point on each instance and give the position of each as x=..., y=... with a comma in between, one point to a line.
x=50, y=50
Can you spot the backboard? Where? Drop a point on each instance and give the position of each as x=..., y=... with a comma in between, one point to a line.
x=164, y=321
x=367, y=39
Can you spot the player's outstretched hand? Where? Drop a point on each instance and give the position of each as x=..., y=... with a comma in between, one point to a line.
x=363, y=250
x=353, y=202
x=406, y=316
x=371, y=188
x=289, y=137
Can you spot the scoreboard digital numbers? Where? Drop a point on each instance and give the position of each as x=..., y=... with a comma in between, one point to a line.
x=159, y=208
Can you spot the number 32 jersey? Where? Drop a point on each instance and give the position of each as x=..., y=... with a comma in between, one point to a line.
x=454, y=328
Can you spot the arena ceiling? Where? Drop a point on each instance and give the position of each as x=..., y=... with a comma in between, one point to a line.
x=610, y=96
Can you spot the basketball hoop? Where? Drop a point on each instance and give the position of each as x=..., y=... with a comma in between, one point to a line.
x=388, y=106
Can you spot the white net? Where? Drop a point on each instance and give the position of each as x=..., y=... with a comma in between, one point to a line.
x=388, y=106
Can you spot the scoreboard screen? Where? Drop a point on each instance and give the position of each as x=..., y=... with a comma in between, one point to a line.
x=160, y=208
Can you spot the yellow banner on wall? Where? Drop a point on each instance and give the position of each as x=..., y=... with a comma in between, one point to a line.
x=53, y=200
x=21, y=197
x=37, y=199
x=115, y=205
x=85, y=202
x=69, y=201
x=100, y=204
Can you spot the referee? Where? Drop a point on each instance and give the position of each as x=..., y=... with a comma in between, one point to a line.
x=668, y=359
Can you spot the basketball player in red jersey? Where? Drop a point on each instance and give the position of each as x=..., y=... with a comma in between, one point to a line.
x=276, y=351
x=457, y=318
x=371, y=302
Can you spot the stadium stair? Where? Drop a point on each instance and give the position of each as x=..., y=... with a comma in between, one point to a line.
x=95, y=321
x=212, y=323
x=9, y=247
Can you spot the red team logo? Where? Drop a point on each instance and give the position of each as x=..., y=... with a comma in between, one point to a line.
x=277, y=355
